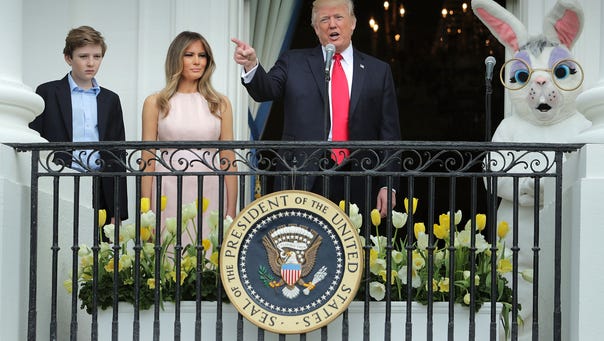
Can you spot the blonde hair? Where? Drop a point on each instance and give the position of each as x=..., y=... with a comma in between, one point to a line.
x=318, y=3
x=174, y=67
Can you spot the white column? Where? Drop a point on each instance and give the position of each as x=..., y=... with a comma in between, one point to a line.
x=591, y=102
x=18, y=103
x=582, y=309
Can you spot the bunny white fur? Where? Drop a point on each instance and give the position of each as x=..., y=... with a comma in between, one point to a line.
x=543, y=113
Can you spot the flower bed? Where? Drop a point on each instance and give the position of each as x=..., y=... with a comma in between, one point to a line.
x=437, y=261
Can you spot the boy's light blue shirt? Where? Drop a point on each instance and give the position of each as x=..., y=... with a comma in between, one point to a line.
x=85, y=126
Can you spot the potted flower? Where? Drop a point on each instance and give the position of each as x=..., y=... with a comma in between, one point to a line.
x=119, y=255
x=430, y=249
x=422, y=258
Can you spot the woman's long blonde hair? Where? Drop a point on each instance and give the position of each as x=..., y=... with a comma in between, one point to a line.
x=174, y=68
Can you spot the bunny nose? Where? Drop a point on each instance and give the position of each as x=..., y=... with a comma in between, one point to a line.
x=540, y=80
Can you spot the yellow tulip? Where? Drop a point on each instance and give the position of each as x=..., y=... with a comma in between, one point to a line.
x=443, y=284
x=151, y=283
x=373, y=256
x=481, y=221
x=419, y=227
x=214, y=258
x=343, y=205
x=504, y=266
x=102, y=217
x=376, y=218
x=145, y=233
x=164, y=202
x=206, y=244
x=145, y=204
x=406, y=202
x=189, y=262
x=183, y=275
x=444, y=220
x=109, y=266
x=393, y=274
x=417, y=260
x=441, y=232
x=502, y=229
x=204, y=204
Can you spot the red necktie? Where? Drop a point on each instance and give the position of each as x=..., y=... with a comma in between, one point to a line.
x=340, y=103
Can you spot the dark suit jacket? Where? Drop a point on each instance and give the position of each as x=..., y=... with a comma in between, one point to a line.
x=55, y=125
x=298, y=79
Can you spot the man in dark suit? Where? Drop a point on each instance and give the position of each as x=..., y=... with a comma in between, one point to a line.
x=77, y=109
x=298, y=79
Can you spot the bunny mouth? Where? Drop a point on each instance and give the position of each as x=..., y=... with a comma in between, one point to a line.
x=544, y=107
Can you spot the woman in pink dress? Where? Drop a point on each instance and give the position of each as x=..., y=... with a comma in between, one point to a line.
x=189, y=109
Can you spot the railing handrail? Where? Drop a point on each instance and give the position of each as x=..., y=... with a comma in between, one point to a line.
x=417, y=145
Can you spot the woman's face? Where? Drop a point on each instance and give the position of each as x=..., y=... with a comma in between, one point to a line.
x=85, y=63
x=194, y=61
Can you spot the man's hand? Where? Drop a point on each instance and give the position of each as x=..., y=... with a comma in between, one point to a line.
x=245, y=55
x=382, y=201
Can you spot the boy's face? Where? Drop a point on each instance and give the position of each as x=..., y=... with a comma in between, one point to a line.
x=85, y=63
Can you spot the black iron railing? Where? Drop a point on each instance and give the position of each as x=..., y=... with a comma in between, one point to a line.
x=446, y=176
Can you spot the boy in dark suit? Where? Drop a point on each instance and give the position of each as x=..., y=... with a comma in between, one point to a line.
x=77, y=109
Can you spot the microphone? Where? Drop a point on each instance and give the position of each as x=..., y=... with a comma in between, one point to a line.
x=490, y=63
x=330, y=50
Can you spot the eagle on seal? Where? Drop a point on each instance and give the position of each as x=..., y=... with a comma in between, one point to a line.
x=291, y=251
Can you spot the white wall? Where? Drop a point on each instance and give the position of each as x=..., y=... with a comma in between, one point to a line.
x=137, y=34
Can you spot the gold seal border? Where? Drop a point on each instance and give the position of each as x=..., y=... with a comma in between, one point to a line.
x=352, y=254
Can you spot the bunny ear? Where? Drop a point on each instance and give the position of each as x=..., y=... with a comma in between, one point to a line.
x=564, y=23
x=502, y=24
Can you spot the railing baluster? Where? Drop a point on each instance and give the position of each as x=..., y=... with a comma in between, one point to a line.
x=74, y=260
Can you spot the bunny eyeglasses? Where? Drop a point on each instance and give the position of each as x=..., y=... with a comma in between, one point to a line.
x=566, y=74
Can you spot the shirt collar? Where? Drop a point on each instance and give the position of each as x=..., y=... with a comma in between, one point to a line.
x=347, y=54
x=74, y=87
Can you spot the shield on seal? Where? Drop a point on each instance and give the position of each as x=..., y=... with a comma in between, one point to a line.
x=290, y=272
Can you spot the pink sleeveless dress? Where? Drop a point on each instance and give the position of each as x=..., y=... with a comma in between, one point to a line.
x=189, y=120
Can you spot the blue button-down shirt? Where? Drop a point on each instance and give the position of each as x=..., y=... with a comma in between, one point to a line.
x=84, y=121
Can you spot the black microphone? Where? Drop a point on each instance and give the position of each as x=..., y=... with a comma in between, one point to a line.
x=330, y=50
x=490, y=63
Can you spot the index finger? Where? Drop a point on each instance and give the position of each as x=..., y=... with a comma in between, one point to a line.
x=239, y=43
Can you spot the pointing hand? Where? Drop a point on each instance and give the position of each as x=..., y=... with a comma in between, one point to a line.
x=244, y=55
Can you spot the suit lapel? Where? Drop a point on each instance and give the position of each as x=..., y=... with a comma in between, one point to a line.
x=317, y=66
x=101, y=114
x=358, y=78
x=64, y=100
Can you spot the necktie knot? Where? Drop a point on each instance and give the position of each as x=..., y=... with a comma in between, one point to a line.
x=337, y=57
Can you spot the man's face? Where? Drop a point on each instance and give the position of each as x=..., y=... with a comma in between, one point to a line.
x=85, y=63
x=335, y=25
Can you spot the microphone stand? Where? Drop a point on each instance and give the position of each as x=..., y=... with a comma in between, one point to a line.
x=326, y=106
x=491, y=181
x=487, y=103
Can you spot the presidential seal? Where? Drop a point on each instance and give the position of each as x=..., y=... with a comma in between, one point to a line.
x=291, y=262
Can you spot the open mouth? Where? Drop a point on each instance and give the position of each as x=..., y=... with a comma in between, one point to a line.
x=334, y=35
x=544, y=107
